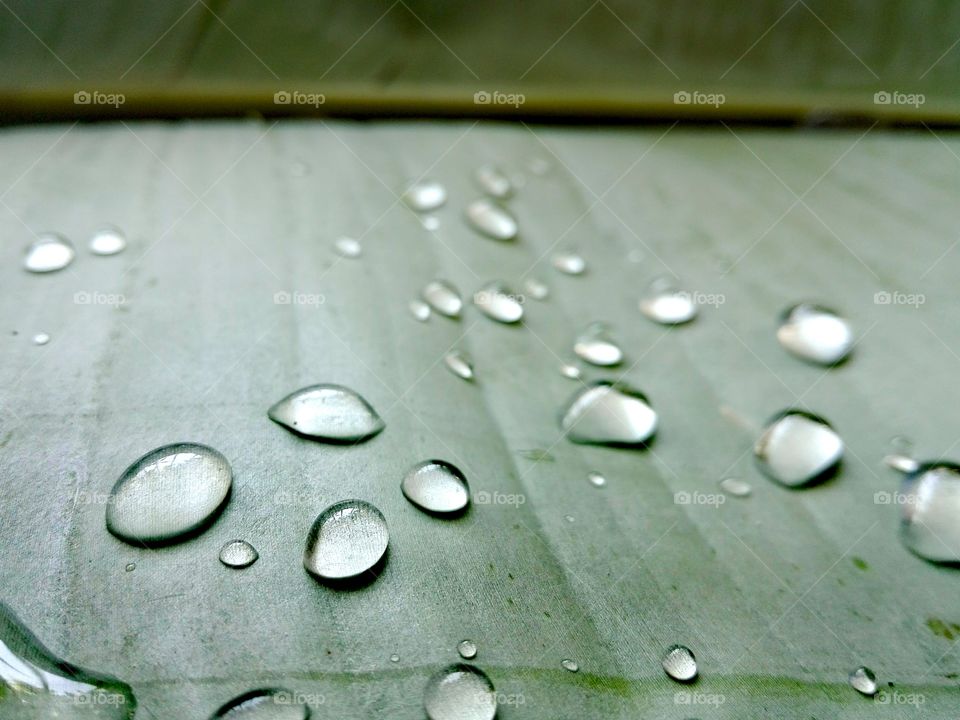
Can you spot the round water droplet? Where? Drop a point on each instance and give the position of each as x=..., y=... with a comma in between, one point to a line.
x=606, y=413
x=430, y=222
x=459, y=363
x=798, y=448
x=596, y=479
x=130, y=567
x=348, y=247
x=346, y=540
x=569, y=262
x=816, y=334
x=443, y=297
x=493, y=182
x=497, y=301
x=107, y=241
x=930, y=513
x=48, y=252
x=864, y=681
x=169, y=494
x=238, y=554
x=460, y=692
x=666, y=305
x=488, y=218
x=467, y=649
x=680, y=664
x=570, y=665
x=394, y=658
x=327, y=412
x=264, y=704
x=570, y=371
x=536, y=289
x=420, y=310
x=595, y=346
x=736, y=487
x=437, y=487
x=425, y=196
x=41, y=339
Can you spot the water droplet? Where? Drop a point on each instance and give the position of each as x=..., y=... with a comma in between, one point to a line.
x=265, y=704
x=394, y=658
x=238, y=554
x=798, y=448
x=901, y=463
x=48, y=252
x=420, y=310
x=130, y=567
x=666, y=305
x=864, y=681
x=680, y=664
x=493, y=182
x=430, y=222
x=107, y=241
x=169, y=494
x=460, y=692
x=606, y=413
x=346, y=540
x=437, y=487
x=596, y=479
x=570, y=371
x=497, y=301
x=347, y=247
x=736, y=487
x=34, y=683
x=570, y=665
x=569, y=518
x=41, y=338
x=597, y=347
x=488, y=218
x=467, y=649
x=459, y=364
x=901, y=443
x=570, y=262
x=930, y=515
x=536, y=289
x=443, y=297
x=425, y=196
x=816, y=334
x=327, y=412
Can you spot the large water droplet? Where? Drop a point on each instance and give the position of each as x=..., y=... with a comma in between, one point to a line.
x=420, y=310
x=736, y=487
x=41, y=338
x=680, y=664
x=107, y=241
x=327, y=412
x=437, y=487
x=238, y=554
x=346, y=540
x=169, y=494
x=36, y=685
x=864, y=681
x=798, y=448
x=536, y=289
x=467, y=649
x=265, y=704
x=606, y=413
x=493, y=182
x=597, y=347
x=443, y=297
x=816, y=334
x=497, y=301
x=348, y=247
x=930, y=520
x=459, y=363
x=460, y=692
x=425, y=196
x=664, y=304
x=488, y=218
x=596, y=479
x=48, y=252
x=569, y=262
x=571, y=665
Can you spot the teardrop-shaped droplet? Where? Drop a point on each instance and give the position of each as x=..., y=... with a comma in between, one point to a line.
x=327, y=412
x=680, y=664
x=48, y=252
x=488, y=218
x=597, y=347
x=169, y=494
x=443, y=297
x=816, y=334
x=346, y=540
x=41, y=338
x=36, y=685
x=459, y=363
x=420, y=310
x=736, y=487
x=864, y=681
x=493, y=182
x=460, y=692
x=238, y=554
x=467, y=649
x=437, y=487
x=265, y=704
x=570, y=371
x=664, y=304
x=606, y=413
x=536, y=289
x=571, y=665
x=596, y=479
x=425, y=196
x=798, y=448
x=348, y=247
x=107, y=241
x=930, y=512
x=569, y=262
x=499, y=302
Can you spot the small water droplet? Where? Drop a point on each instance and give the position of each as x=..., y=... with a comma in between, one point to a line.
x=816, y=334
x=606, y=413
x=169, y=494
x=665, y=304
x=569, y=518
x=864, y=681
x=499, y=302
x=130, y=567
x=595, y=346
x=107, y=241
x=493, y=182
x=596, y=479
x=798, y=448
x=430, y=222
x=570, y=665
x=238, y=554
x=680, y=664
x=265, y=704
x=48, y=252
x=488, y=218
x=425, y=196
x=460, y=692
x=536, y=289
x=348, y=247
x=569, y=262
x=420, y=310
x=443, y=297
x=901, y=463
x=346, y=540
x=459, y=364
x=930, y=513
x=41, y=338
x=437, y=487
x=467, y=649
x=570, y=371
x=327, y=412
x=394, y=658
x=736, y=487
